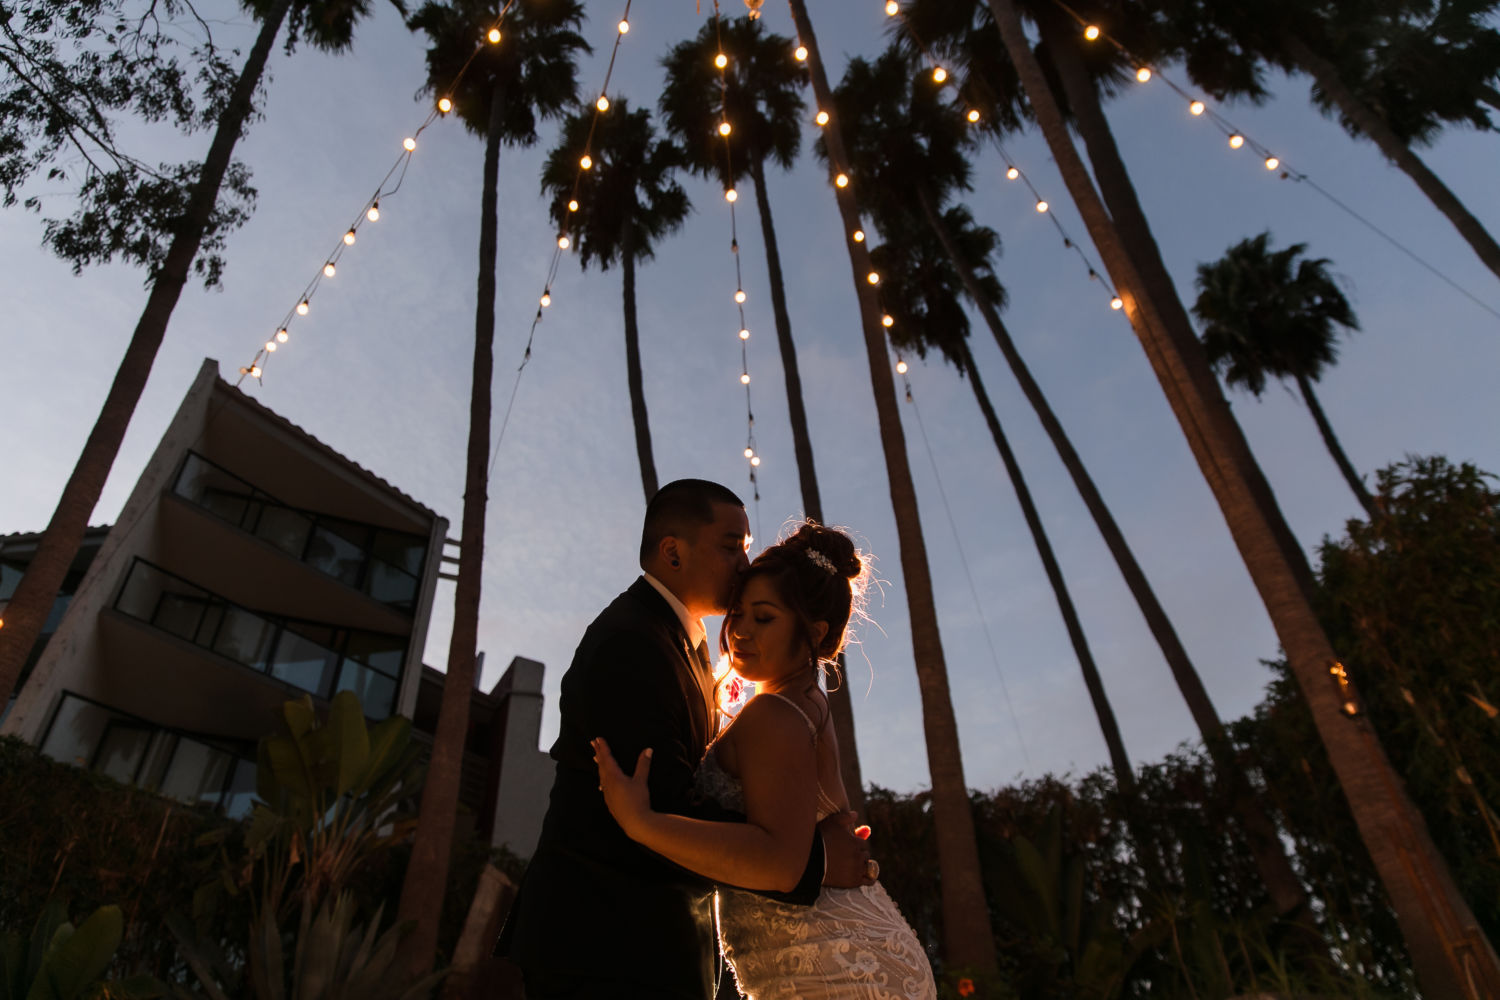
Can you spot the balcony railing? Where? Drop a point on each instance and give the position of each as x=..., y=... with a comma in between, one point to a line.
x=315, y=657
x=385, y=564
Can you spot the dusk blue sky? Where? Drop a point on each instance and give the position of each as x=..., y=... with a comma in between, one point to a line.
x=380, y=371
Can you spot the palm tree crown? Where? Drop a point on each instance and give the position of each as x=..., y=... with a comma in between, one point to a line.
x=1266, y=314
x=627, y=199
x=761, y=99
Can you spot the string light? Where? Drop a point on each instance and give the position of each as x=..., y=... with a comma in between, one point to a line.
x=1117, y=303
x=939, y=74
x=1272, y=163
x=739, y=296
x=253, y=371
x=271, y=345
x=410, y=144
x=859, y=236
x=749, y=452
x=1012, y=173
x=1236, y=141
x=1143, y=74
x=721, y=60
x=585, y=161
x=303, y=307
x=842, y=180
x=1195, y=108
x=349, y=237
x=891, y=8
x=973, y=114
x=744, y=333
x=563, y=243
x=329, y=269
x=282, y=336
x=573, y=205
x=724, y=128
x=873, y=278
x=546, y=299
x=822, y=118
x=602, y=103
x=887, y=321
x=731, y=196
x=755, y=460
x=1091, y=32
x=624, y=26
x=494, y=36
x=1041, y=206
x=801, y=53
x=445, y=105
x=373, y=215
x=745, y=378
x=901, y=366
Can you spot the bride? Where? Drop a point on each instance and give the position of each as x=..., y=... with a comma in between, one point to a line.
x=778, y=764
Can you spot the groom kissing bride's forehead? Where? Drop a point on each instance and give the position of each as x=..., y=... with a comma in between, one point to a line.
x=618, y=899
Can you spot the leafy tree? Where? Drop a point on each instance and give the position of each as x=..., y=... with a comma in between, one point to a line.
x=169, y=240
x=504, y=90
x=627, y=200
x=1267, y=314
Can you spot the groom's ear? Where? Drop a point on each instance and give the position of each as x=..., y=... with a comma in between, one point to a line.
x=670, y=551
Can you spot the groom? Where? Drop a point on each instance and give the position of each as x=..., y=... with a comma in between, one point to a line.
x=597, y=915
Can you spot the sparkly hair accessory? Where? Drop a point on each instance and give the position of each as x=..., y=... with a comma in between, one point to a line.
x=821, y=561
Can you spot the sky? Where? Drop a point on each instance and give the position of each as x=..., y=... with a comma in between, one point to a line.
x=380, y=370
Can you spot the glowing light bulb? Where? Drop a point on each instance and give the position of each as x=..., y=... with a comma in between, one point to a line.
x=1091, y=32
x=494, y=36
x=745, y=379
x=1236, y=141
x=1272, y=163
x=374, y=213
x=585, y=161
x=546, y=299
x=409, y=143
x=1012, y=174
x=755, y=461
x=901, y=367
x=1041, y=206
x=801, y=53
x=254, y=371
x=724, y=128
x=973, y=114
x=731, y=196
x=1143, y=74
x=303, y=307
x=822, y=118
x=1117, y=303
x=721, y=60
x=281, y=335
x=573, y=205
x=842, y=180
x=892, y=8
x=349, y=238
x=744, y=333
x=329, y=270
x=602, y=103
x=887, y=321
x=749, y=452
x=939, y=74
x=563, y=243
x=739, y=295
x=859, y=236
x=1195, y=108
x=873, y=278
x=270, y=345
x=624, y=26
x=445, y=105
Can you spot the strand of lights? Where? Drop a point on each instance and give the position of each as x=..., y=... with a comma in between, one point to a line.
x=567, y=237
x=1237, y=138
x=368, y=212
x=725, y=129
x=1013, y=172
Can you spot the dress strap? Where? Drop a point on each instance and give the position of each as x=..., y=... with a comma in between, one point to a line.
x=812, y=728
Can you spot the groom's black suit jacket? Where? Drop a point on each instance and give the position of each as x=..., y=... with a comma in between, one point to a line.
x=593, y=903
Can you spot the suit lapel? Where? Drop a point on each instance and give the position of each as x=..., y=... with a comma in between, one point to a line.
x=697, y=676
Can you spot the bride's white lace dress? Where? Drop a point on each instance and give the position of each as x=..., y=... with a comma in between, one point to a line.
x=853, y=944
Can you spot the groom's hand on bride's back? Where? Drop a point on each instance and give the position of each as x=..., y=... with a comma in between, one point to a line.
x=846, y=851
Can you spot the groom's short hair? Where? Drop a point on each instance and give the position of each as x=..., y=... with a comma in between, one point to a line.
x=679, y=507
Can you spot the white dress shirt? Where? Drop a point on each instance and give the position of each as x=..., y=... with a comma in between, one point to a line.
x=693, y=626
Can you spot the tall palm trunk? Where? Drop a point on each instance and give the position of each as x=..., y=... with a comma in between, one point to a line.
x=1281, y=881
x=967, y=937
x=1124, y=775
x=1372, y=125
x=1336, y=449
x=633, y=375
x=1449, y=951
x=427, y=872
x=839, y=701
x=32, y=602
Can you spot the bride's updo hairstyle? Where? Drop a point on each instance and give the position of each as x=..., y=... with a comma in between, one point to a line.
x=820, y=575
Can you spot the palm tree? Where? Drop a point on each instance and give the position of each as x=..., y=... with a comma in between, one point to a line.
x=923, y=294
x=326, y=24
x=968, y=941
x=1265, y=314
x=504, y=91
x=1354, y=54
x=761, y=98
x=1449, y=951
x=626, y=200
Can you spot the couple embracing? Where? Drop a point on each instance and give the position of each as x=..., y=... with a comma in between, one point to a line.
x=667, y=842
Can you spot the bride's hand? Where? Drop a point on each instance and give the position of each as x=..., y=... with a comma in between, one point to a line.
x=628, y=798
